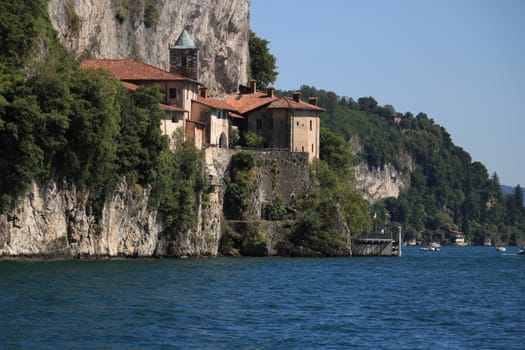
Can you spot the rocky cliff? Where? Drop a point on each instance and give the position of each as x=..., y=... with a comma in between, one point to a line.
x=53, y=220
x=143, y=30
x=377, y=184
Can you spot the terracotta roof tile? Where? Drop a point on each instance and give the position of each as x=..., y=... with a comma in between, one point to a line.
x=244, y=103
x=214, y=103
x=171, y=108
x=289, y=103
x=129, y=86
x=128, y=69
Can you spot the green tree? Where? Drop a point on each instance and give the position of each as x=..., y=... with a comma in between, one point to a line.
x=262, y=62
x=239, y=190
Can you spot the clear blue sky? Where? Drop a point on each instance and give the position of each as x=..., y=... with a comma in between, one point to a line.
x=462, y=62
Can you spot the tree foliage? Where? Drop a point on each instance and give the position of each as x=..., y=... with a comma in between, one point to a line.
x=81, y=125
x=240, y=185
x=447, y=190
x=262, y=62
x=332, y=202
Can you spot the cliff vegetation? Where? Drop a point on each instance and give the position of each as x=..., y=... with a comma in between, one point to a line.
x=446, y=189
x=60, y=122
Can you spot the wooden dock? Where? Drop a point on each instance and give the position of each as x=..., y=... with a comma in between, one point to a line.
x=376, y=244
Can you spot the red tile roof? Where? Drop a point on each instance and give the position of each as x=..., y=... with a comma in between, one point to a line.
x=214, y=103
x=171, y=108
x=244, y=103
x=128, y=69
x=129, y=86
x=289, y=103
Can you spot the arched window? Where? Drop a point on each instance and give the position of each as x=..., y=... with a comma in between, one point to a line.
x=223, y=141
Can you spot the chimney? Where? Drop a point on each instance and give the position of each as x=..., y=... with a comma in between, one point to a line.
x=204, y=92
x=270, y=91
x=313, y=101
x=253, y=86
x=297, y=96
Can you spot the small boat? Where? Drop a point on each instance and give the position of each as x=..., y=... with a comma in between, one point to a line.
x=521, y=251
x=432, y=247
x=501, y=248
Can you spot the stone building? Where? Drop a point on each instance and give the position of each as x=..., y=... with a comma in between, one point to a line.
x=285, y=123
x=178, y=91
x=213, y=114
x=184, y=56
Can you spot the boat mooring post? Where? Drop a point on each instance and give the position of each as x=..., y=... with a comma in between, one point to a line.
x=399, y=240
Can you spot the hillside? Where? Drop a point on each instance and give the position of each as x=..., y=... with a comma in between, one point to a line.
x=509, y=190
x=434, y=185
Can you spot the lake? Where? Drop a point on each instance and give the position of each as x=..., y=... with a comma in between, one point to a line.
x=458, y=298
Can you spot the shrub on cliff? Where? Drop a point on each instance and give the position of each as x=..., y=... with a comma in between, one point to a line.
x=332, y=198
x=239, y=189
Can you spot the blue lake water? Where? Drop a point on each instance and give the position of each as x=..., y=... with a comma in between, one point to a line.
x=458, y=298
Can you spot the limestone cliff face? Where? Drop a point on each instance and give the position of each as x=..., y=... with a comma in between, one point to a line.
x=377, y=184
x=53, y=220
x=143, y=30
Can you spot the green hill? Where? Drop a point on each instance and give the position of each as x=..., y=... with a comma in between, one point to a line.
x=447, y=189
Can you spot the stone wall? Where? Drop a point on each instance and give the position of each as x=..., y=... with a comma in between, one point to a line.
x=281, y=174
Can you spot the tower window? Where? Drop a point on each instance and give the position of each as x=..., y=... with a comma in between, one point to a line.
x=310, y=125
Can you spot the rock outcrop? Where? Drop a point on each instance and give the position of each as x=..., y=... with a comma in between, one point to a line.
x=379, y=183
x=376, y=184
x=53, y=220
x=144, y=29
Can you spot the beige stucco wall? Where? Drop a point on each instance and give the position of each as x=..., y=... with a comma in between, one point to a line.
x=168, y=125
x=218, y=127
x=215, y=126
x=305, y=133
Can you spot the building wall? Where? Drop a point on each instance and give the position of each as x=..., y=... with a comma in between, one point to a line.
x=305, y=133
x=195, y=132
x=185, y=62
x=295, y=130
x=218, y=126
x=216, y=121
x=185, y=92
x=170, y=122
x=277, y=135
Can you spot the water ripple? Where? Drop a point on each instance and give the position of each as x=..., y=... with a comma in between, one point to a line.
x=466, y=298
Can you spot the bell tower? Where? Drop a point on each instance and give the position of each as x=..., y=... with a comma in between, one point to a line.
x=184, y=57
